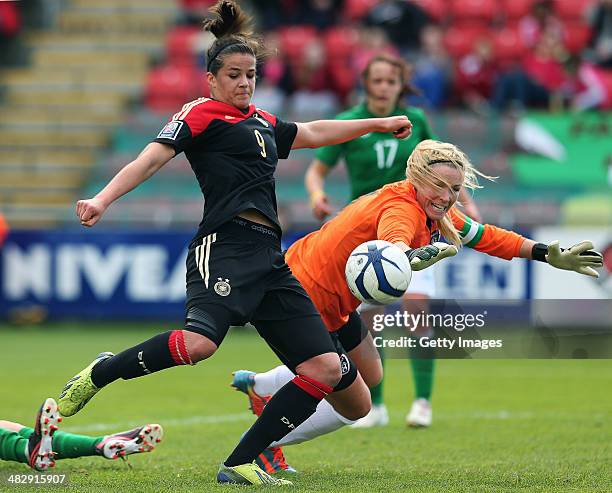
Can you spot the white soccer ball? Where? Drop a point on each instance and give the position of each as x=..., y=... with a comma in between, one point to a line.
x=378, y=272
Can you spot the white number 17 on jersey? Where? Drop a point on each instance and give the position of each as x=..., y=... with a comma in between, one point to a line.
x=385, y=152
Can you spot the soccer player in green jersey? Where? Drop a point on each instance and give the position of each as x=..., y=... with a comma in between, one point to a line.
x=373, y=160
x=41, y=446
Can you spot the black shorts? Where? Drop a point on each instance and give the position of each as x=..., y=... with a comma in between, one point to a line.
x=352, y=332
x=237, y=275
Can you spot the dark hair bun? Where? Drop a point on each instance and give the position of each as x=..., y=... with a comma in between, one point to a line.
x=228, y=19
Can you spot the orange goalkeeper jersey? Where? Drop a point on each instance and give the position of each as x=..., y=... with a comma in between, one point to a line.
x=393, y=214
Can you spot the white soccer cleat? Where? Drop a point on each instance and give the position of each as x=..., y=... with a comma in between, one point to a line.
x=378, y=416
x=40, y=444
x=138, y=440
x=420, y=414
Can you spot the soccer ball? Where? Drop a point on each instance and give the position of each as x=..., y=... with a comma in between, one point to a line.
x=378, y=272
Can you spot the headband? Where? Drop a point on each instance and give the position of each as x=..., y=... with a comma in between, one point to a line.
x=218, y=52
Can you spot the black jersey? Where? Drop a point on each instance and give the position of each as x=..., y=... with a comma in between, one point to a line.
x=233, y=155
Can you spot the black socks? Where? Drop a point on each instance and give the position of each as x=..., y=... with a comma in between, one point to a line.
x=158, y=353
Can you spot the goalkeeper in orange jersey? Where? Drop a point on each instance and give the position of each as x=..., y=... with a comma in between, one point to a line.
x=41, y=446
x=415, y=214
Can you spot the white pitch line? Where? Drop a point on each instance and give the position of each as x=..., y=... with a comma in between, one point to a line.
x=186, y=421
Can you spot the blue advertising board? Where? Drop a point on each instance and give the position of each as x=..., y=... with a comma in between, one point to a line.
x=102, y=274
x=97, y=274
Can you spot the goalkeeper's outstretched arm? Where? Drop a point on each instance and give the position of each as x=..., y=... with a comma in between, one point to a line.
x=498, y=242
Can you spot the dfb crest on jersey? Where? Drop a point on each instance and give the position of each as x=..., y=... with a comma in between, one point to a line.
x=222, y=287
x=345, y=364
x=171, y=130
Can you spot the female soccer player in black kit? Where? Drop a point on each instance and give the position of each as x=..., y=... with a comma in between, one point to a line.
x=236, y=272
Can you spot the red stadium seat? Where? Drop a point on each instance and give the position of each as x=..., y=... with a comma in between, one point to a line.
x=180, y=45
x=10, y=20
x=473, y=10
x=294, y=39
x=357, y=9
x=195, y=5
x=436, y=9
x=577, y=36
x=459, y=39
x=572, y=10
x=343, y=79
x=508, y=46
x=515, y=9
x=340, y=42
x=169, y=87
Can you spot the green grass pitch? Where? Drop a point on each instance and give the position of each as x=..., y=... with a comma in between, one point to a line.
x=499, y=425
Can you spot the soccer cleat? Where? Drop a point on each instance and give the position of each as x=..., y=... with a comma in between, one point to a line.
x=244, y=381
x=378, y=416
x=272, y=460
x=420, y=414
x=138, y=440
x=80, y=389
x=250, y=474
x=40, y=443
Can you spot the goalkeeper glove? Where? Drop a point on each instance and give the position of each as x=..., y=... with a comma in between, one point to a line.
x=579, y=258
x=423, y=257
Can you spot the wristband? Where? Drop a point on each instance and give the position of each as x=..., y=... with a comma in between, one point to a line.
x=539, y=252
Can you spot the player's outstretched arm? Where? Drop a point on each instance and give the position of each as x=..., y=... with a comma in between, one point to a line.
x=150, y=160
x=579, y=258
x=321, y=133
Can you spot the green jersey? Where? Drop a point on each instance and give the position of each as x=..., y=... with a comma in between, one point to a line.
x=375, y=159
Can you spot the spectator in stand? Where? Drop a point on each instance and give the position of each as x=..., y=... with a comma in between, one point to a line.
x=541, y=19
x=474, y=77
x=592, y=85
x=600, y=46
x=308, y=83
x=402, y=21
x=372, y=41
x=432, y=69
x=271, y=14
x=269, y=94
x=319, y=13
x=540, y=81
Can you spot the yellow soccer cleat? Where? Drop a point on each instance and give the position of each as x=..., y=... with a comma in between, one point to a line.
x=250, y=474
x=80, y=389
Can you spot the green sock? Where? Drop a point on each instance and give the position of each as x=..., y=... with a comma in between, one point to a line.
x=422, y=361
x=13, y=446
x=377, y=391
x=70, y=446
